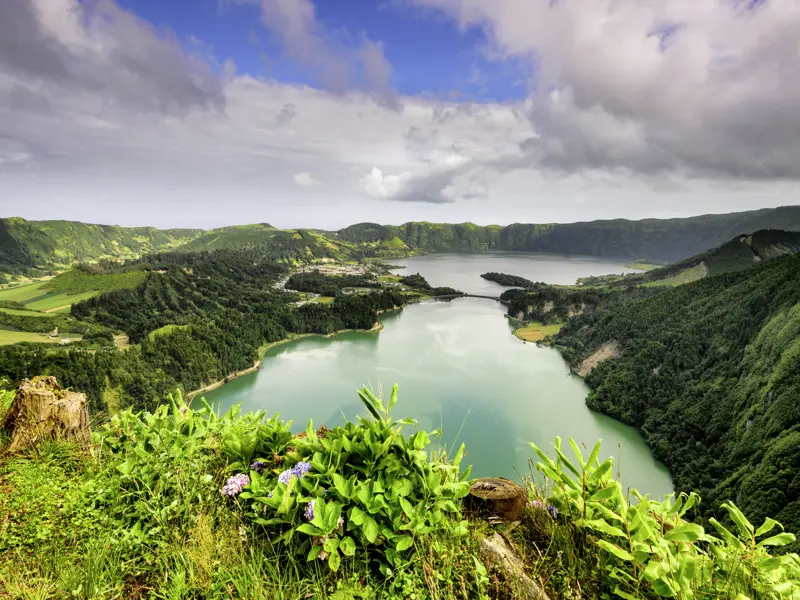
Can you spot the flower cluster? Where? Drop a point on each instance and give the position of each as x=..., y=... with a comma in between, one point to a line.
x=310, y=511
x=553, y=511
x=299, y=470
x=235, y=485
x=258, y=467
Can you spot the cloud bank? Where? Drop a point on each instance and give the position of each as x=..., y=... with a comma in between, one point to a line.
x=636, y=109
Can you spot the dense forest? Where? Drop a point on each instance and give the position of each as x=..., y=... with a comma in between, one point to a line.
x=194, y=319
x=710, y=373
x=508, y=280
x=328, y=285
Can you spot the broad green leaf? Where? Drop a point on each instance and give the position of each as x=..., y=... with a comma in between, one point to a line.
x=314, y=552
x=357, y=515
x=662, y=587
x=738, y=517
x=347, y=546
x=403, y=542
x=604, y=494
x=393, y=397
x=777, y=540
x=309, y=529
x=603, y=527
x=688, y=532
x=595, y=453
x=771, y=563
x=331, y=544
x=578, y=454
x=334, y=560
x=344, y=487
x=370, y=529
x=767, y=526
x=615, y=550
x=601, y=471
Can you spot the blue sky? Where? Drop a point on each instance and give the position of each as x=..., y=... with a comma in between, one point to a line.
x=429, y=53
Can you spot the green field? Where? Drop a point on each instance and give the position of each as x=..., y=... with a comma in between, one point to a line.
x=687, y=276
x=26, y=313
x=9, y=335
x=536, y=332
x=59, y=293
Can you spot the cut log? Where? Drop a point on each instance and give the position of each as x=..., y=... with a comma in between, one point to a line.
x=41, y=410
x=498, y=497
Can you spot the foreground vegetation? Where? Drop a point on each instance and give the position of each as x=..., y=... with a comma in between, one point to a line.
x=182, y=503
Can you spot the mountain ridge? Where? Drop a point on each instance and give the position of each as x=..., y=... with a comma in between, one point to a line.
x=39, y=247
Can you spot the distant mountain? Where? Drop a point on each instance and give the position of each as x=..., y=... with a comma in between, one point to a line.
x=661, y=240
x=43, y=246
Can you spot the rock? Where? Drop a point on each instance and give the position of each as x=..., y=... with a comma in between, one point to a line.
x=498, y=497
x=496, y=553
x=42, y=410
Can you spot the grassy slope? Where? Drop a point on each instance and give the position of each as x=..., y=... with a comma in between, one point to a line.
x=741, y=252
x=59, y=293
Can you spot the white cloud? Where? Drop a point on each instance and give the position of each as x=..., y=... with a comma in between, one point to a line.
x=304, y=180
x=699, y=87
x=104, y=120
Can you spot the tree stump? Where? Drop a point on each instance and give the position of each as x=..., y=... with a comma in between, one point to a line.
x=41, y=410
x=498, y=497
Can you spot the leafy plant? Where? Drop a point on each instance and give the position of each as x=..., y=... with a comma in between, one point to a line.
x=362, y=489
x=650, y=550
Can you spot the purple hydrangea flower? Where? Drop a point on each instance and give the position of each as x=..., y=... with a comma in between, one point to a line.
x=235, y=485
x=301, y=468
x=258, y=466
x=310, y=511
x=553, y=511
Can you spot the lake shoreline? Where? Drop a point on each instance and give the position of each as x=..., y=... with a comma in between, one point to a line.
x=376, y=328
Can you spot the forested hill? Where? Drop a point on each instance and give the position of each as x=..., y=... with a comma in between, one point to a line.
x=37, y=247
x=28, y=245
x=709, y=372
x=663, y=240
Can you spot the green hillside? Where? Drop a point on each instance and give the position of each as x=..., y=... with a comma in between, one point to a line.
x=663, y=240
x=709, y=371
x=742, y=252
x=27, y=246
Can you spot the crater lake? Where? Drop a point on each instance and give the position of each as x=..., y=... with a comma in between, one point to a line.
x=459, y=368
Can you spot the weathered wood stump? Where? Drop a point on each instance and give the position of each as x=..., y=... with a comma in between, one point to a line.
x=498, y=497
x=41, y=410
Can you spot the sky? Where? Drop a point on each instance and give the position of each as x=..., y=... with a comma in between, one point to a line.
x=324, y=113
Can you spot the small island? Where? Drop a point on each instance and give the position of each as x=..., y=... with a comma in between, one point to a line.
x=507, y=280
